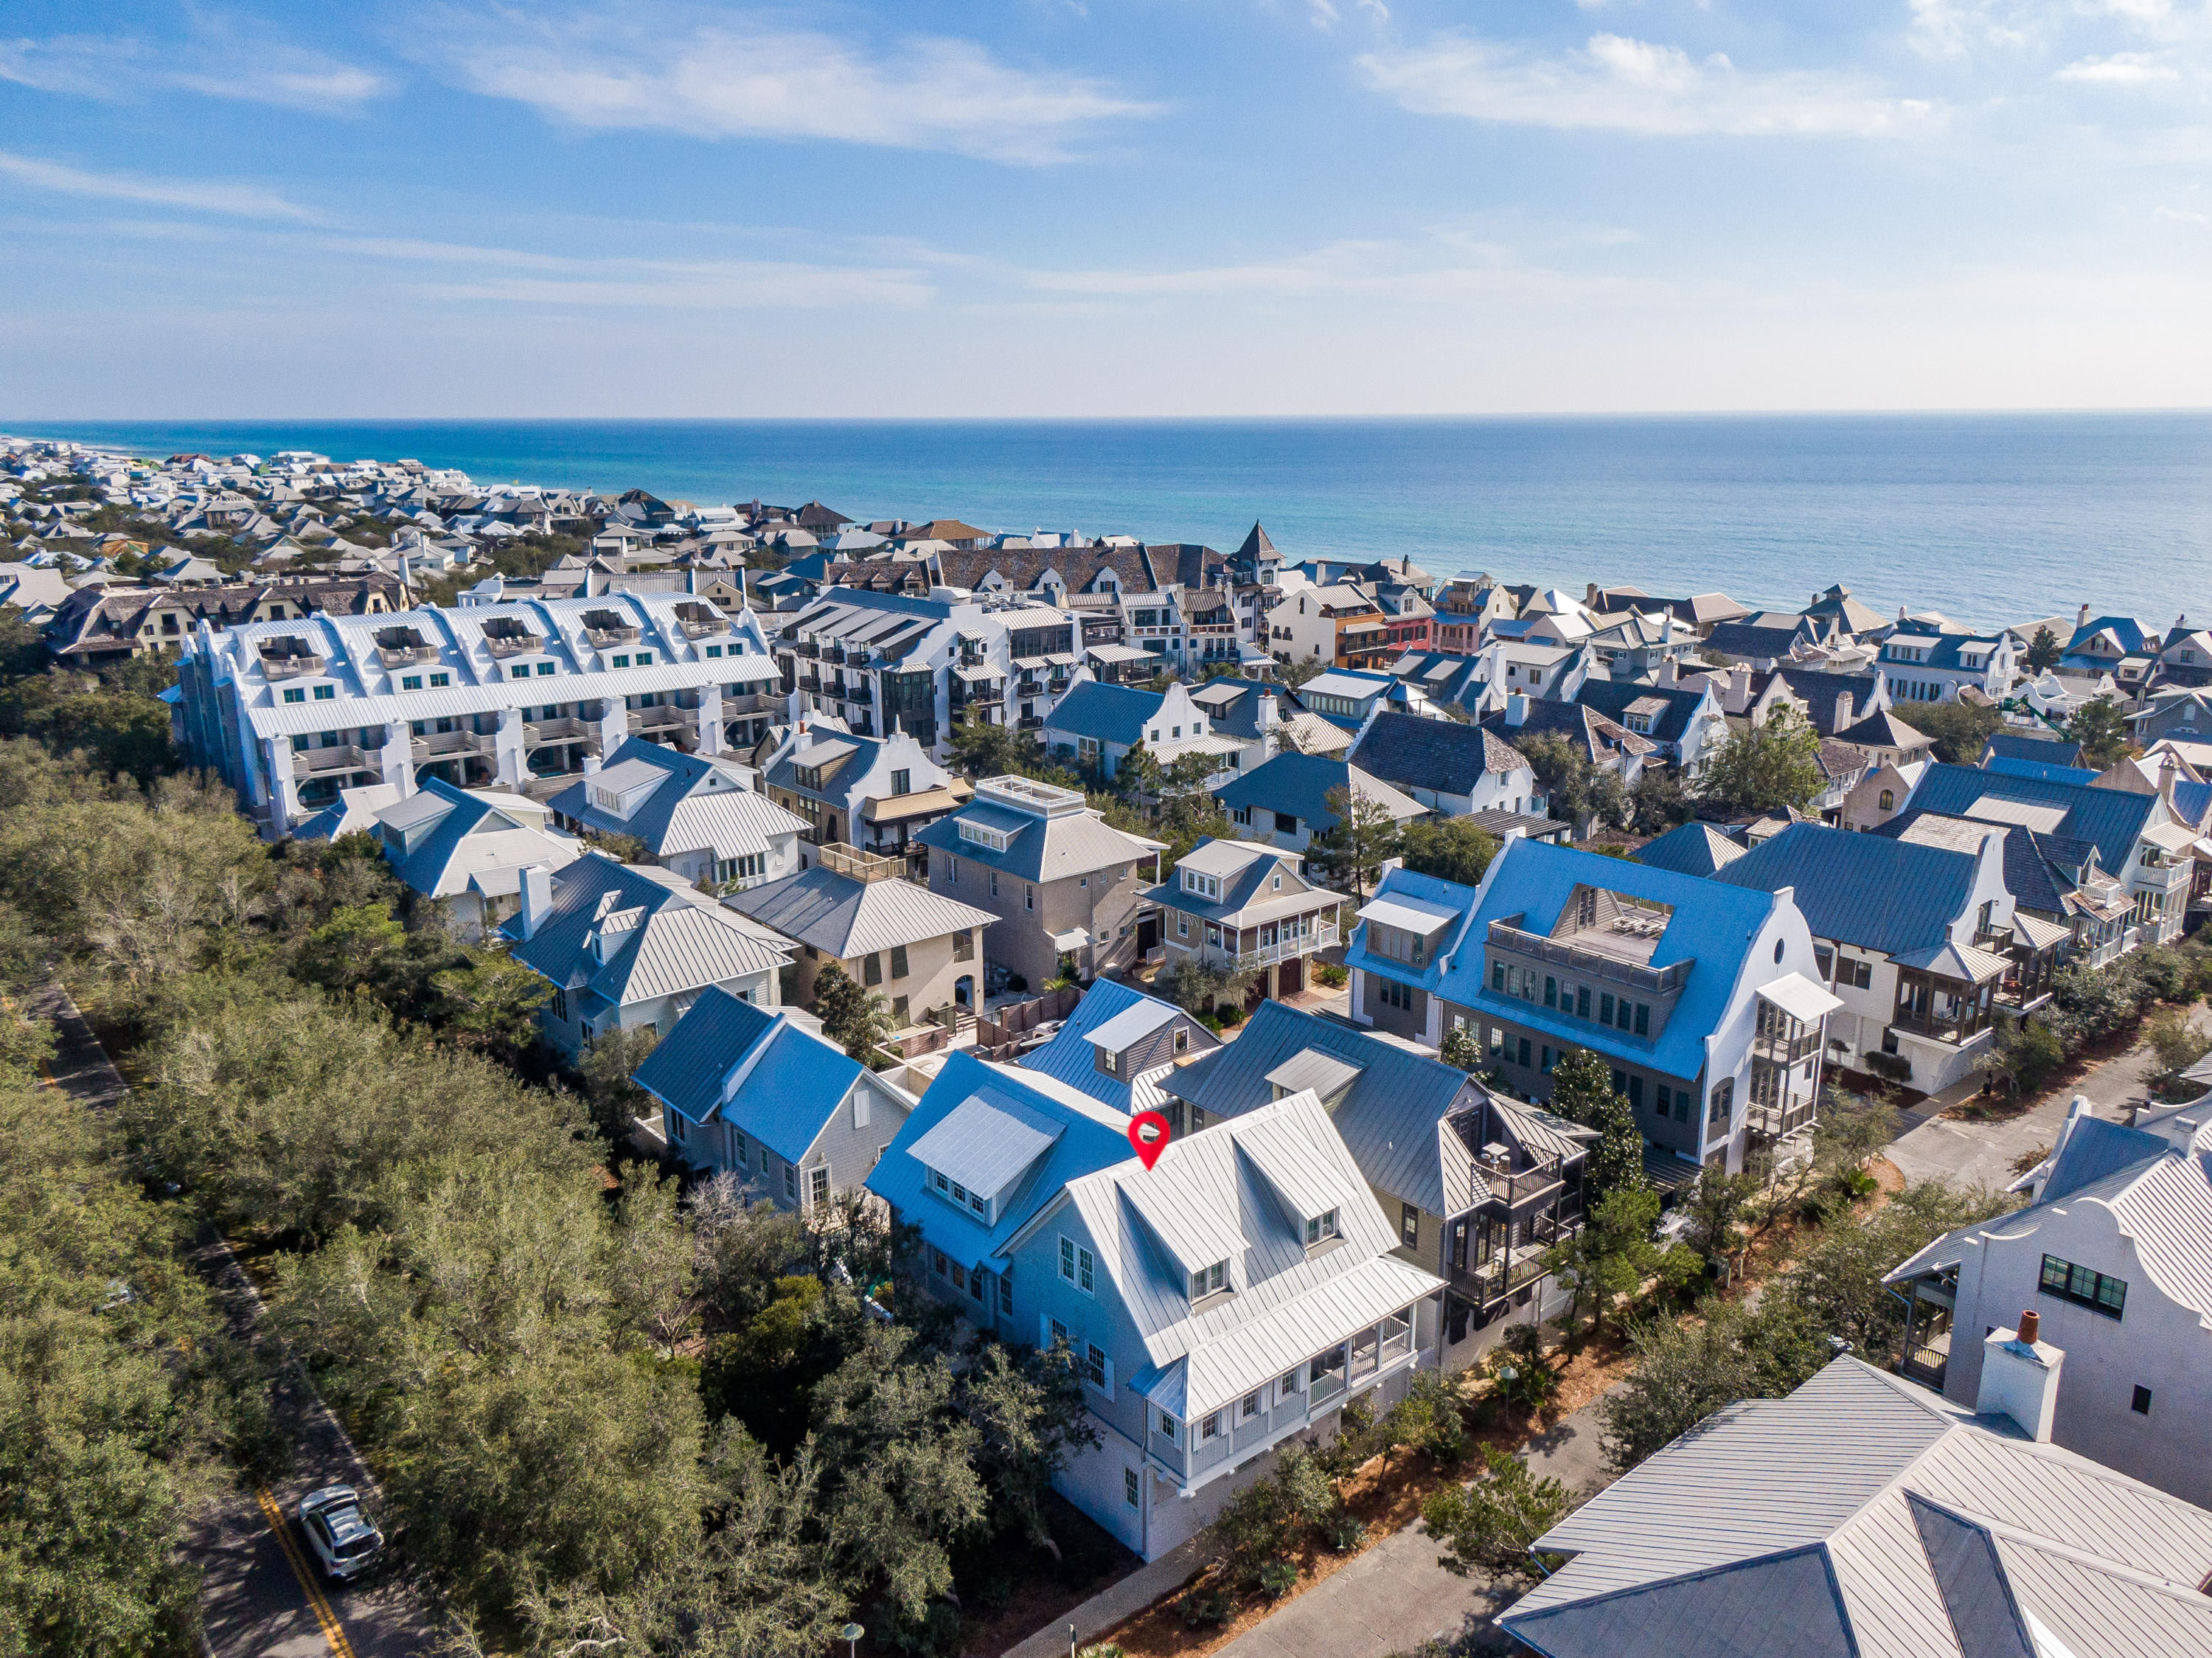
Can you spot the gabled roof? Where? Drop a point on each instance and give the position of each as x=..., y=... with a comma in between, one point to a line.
x=2111, y=818
x=1872, y=891
x=1694, y=847
x=1596, y=735
x=1443, y=755
x=659, y=934
x=1865, y=1516
x=1071, y=1056
x=789, y=1081
x=1751, y=640
x=1038, y=849
x=1243, y=1188
x=1256, y=544
x=844, y=917
x=1105, y=713
x=481, y=838
x=973, y=1097
x=2031, y=747
x=1611, y=698
x=697, y=804
x=2127, y=631
x=1390, y=1117
x=1819, y=691
x=1300, y=785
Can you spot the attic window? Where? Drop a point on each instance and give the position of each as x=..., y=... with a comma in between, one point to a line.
x=1209, y=1281
x=983, y=835
x=1319, y=1228
x=1204, y=885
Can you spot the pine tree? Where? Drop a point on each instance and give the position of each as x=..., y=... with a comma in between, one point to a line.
x=1583, y=1092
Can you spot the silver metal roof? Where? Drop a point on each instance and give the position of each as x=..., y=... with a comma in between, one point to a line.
x=1892, y=1490
x=1132, y=1024
x=987, y=1143
x=1310, y=1068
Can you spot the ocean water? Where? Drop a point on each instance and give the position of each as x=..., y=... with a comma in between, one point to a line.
x=1987, y=517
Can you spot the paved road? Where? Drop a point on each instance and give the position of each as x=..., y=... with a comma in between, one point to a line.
x=1972, y=1153
x=1395, y=1596
x=262, y=1596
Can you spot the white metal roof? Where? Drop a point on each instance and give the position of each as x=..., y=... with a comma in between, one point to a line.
x=1414, y=915
x=1132, y=1024
x=1800, y=998
x=1326, y=1074
x=986, y=1143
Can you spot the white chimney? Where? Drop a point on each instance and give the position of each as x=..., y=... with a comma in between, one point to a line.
x=2082, y=618
x=1516, y=708
x=536, y=896
x=2019, y=1377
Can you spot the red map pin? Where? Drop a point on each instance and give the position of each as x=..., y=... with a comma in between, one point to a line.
x=1148, y=1133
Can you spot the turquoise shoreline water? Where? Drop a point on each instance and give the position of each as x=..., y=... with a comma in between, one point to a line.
x=1989, y=518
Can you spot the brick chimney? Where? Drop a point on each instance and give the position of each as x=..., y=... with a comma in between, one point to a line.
x=2019, y=1377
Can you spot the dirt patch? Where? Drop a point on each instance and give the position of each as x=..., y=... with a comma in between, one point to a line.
x=1385, y=1497
x=1041, y=1591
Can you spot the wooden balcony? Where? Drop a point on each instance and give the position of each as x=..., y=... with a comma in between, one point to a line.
x=503, y=645
x=544, y=733
x=444, y=744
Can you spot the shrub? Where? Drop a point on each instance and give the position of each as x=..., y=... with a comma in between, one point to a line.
x=1890, y=1067
x=1329, y=974
x=1232, y=1014
x=1207, y=1607
x=1278, y=1578
x=1489, y=1524
x=1345, y=1531
x=2177, y=1044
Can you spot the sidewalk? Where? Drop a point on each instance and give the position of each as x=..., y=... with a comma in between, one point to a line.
x=1117, y=1601
x=1395, y=1595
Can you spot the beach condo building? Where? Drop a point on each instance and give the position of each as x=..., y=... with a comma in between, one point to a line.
x=504, y=696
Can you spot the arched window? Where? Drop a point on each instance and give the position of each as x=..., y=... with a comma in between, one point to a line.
x=1889, y=800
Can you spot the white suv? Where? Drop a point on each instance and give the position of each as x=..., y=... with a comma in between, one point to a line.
x=344, y=1538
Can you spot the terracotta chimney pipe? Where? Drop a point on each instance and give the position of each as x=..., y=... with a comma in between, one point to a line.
x=2031, y=1327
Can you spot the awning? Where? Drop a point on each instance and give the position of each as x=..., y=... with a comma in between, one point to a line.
x=1059, y=658
x=974, y=675
x=2039, y=935
x=1074, y=939
x=897, y=809
x=1031, y=664
x=1120, y=654
x=1955, y=962
x=1800, y=998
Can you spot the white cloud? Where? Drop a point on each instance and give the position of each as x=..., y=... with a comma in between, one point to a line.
x=754, y=79
x=2121, y=69
x=239, y=200
x=1620, y=84
x=216, y=63
x=517, y=275
x=2181, y=214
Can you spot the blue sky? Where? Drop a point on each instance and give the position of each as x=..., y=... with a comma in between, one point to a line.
x=1112, y=207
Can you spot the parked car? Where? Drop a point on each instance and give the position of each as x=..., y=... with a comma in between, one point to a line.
x=345, y=1539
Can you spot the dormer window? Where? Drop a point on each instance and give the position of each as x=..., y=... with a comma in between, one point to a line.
x=1203, y=886
x=1209, y=1281
x=1320, y=1228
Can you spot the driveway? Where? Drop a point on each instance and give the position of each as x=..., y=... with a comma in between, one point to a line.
x=261, y=1594
x=1395, y=1596
x=1970, y=1152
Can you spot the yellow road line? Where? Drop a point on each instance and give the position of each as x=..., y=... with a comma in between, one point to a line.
x=333, y=1632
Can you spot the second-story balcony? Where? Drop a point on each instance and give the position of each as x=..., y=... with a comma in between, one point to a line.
x=750, y=702
x=335, y=760
x=443, y=745
x=544, y=733
x=1598, y=962
x=1253, y=947
x=666, y=717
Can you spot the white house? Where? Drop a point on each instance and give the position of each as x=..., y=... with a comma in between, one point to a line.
x=702, y=818
x=2111, y=1254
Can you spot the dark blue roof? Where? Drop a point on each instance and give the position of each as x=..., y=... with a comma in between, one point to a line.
x=1429, y=889
x=1694, y=847
x=2094, y=1150
x=1611, y=698
x=2034, y=863
x=2111, y=818
x=1749, y=639
x=1296, y=784
x=2027, y=745
x=1819, y=691
x=1105, y=713
x=1879, y=893
x=2191, y=801
x=1410, y=751
x=1070, y=1057
x=2013, y=768
x=795, y=1083
x=2129, y=630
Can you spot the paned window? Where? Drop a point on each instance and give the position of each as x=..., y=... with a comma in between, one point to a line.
x=2098, y=1291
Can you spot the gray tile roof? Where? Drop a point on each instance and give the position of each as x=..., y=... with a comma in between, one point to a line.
x=1867, y=1513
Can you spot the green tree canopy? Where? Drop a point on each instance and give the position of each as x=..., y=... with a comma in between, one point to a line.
x=1767, y=768
x=1583, y=1092
x=2101, y=728
x=1349, y=855
x=1450, y=849
x=1580, y=792
x=856, y=1019
x=2043, y=651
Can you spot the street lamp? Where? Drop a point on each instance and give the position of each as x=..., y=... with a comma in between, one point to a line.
x=850, y=1635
